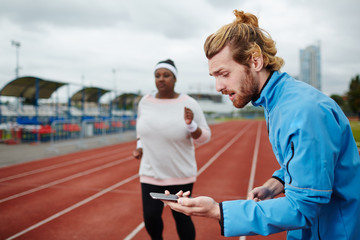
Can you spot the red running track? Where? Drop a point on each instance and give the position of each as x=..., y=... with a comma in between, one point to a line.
x=95, y=194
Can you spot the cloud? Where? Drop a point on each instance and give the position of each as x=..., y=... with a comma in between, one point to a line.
x=64, y=40
x=172, y=19
x=224, y=4
x=65, y=13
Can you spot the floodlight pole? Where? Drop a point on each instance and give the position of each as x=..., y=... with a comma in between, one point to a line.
x=113, y=101
x=17, y=45
x=83, y=97
x=115, y=88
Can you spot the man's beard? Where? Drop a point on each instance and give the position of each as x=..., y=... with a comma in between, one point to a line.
x=249, y=88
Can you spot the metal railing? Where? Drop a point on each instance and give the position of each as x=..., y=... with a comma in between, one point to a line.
x=81, y=133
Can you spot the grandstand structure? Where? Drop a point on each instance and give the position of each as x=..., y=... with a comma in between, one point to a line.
x=16, y=120
x=82, y=114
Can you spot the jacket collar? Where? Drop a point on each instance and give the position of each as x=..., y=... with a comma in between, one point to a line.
x=267, y=93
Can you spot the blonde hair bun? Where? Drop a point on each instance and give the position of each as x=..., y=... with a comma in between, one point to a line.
x=246, y=18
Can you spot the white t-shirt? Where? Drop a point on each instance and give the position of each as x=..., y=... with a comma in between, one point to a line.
x=168, y=148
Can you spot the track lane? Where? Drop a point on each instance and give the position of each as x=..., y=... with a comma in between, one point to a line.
x=218, y=179
x=48, y=170
x=36, y=227
x=36, y=164
x=226, y=179
x=19, y=187
x=51, y=200
x=266, y=165
x=20, y=173
x=106, y=217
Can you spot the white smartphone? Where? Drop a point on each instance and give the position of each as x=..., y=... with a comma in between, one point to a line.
x=163, y=196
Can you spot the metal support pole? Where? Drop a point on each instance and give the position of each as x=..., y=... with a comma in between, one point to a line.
x=83, y=98
x=98, y=101
x=69, y=102
x=17, y=45
x=37, y=109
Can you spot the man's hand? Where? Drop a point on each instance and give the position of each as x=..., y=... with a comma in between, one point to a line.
x=259, y=194
x=270, y=189
x=199, y=206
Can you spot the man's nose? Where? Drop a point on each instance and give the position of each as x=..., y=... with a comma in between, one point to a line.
x=219, y=85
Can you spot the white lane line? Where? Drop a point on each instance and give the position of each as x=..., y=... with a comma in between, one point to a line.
x=58, y=165
x=80, y=174
x=223, y=149
x=79, y=204
x=135, y=231
x=253, y=165
x=208, y=163
x=255, y=158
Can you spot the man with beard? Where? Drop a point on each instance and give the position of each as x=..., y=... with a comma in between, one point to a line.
x=310, y=136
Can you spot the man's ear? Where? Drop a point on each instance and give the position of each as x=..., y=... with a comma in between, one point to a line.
x=257, y=61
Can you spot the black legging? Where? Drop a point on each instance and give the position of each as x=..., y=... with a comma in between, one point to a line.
x=152, y=210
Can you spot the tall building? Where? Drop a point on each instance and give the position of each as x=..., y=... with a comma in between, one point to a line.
x=310, y=66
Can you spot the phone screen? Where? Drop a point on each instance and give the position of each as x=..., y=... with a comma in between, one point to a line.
x=163, y=196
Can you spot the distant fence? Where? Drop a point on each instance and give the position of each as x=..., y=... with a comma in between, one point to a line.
x=61, y=131
x=10, y=133
x=87, y=130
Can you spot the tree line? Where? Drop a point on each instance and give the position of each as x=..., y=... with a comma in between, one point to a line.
x=350, y=102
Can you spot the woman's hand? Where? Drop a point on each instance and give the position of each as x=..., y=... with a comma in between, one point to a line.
x=138, y=153
x=192, y=126
x=188, y=115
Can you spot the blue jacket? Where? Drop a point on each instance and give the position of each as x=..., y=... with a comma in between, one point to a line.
x=319, y=165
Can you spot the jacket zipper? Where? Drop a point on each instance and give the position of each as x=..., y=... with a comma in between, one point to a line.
x=268, y=120
x=319, y=228
x=287, y=165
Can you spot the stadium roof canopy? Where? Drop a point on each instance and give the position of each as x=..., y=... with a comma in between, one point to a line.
x=126, y=96
x=26, y=87
x=92, y=94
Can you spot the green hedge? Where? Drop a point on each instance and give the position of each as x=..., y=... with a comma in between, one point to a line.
x=355, y=127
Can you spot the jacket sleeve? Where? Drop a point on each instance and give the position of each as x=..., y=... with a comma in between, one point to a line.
x=247, y=217
x=310, y=146
x=279, y=175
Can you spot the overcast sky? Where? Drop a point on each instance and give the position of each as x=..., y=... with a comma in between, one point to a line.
x=84, y=41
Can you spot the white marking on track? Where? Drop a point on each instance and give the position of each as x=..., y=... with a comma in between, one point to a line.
x=253, y=165
x=55, y=166
x=206, y=165
x=79, y=204
x=135, y=231
x=80, y=174
x=255, y=158
x=222, y=150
